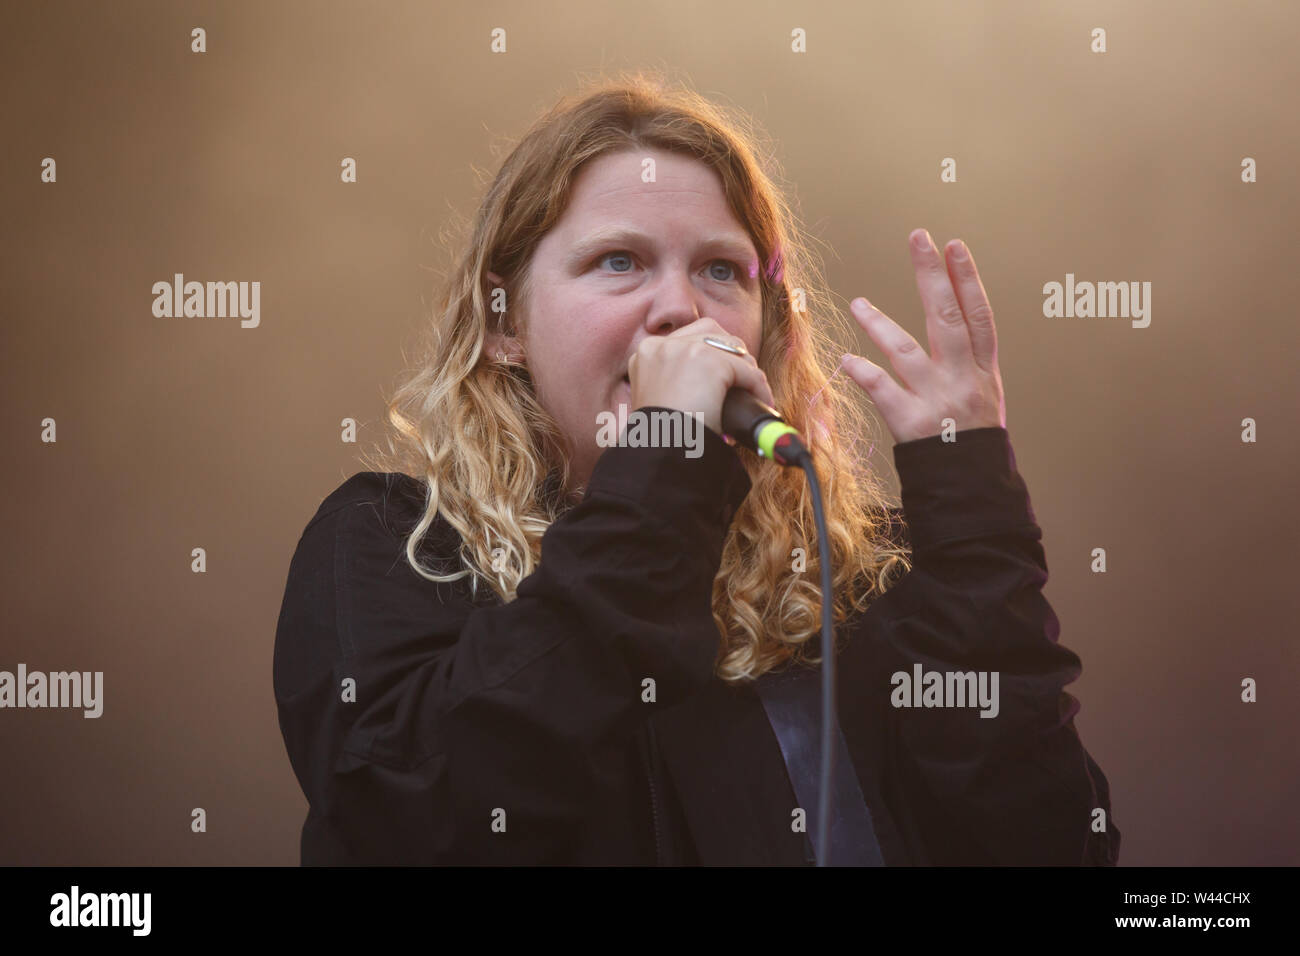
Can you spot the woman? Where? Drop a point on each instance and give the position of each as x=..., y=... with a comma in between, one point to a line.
x=511, y=643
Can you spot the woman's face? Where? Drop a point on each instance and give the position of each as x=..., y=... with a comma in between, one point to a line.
x=626, y=260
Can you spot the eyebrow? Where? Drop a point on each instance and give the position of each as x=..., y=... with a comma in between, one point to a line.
x=732, y=244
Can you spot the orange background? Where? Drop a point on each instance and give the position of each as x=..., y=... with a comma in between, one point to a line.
x=183, y=433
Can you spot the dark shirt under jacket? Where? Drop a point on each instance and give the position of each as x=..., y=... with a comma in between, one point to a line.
x=471, y=714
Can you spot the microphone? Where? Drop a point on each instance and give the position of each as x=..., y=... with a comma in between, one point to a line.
x=761, y=428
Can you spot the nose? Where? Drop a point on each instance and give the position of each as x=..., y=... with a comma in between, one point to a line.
x=675, y=303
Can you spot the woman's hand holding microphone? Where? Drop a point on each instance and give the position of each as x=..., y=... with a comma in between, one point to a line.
x=681, y=371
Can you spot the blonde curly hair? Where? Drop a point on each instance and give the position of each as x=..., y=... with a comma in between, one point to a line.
x=493, y=461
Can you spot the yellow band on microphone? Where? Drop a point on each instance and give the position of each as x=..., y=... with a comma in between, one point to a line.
x=767, y=436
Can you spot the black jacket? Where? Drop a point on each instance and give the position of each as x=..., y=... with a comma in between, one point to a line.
x=490, y=733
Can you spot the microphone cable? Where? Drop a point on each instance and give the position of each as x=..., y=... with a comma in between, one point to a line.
x=760, y=427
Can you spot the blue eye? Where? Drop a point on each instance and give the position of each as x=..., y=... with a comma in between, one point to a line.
x=735, y=269
x=617, y=254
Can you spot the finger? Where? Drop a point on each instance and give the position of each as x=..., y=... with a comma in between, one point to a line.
x=975, y=304
x=752, y=379
x=722, y=335
x=945, y=323
x=905, y=353
x=704, y=325
x=745, y=372
x=888, y=395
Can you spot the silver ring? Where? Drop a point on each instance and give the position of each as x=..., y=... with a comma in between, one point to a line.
x=725, y=346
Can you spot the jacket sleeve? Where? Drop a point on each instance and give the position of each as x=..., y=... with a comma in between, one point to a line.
x=1017, y=788
x=480, y=731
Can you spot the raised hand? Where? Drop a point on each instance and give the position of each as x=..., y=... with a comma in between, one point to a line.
x=959, y=379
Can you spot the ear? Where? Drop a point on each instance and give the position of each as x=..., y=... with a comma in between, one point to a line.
x=497, y=343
